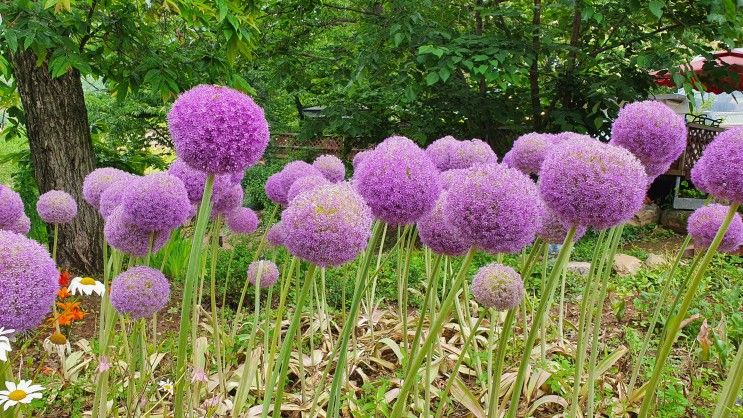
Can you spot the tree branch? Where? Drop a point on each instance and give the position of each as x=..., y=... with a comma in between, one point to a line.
x=638, y=38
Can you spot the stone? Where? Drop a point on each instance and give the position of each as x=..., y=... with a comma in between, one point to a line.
x=581, y=268
x=675, y=219
x=649, y=214
x=627, y=265
x=656, y=261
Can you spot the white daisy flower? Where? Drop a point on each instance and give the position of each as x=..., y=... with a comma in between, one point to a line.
x=23, y=392
x=57, y=343
x=87, y=286
x=5, y=343
x=166, y=386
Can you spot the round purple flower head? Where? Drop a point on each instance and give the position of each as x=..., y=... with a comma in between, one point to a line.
x=498, y=286
x=230, y=200
x=449, y=177
x=328, y=226
x=331, y=167
x=194, y=180
x=140, y=292
x=554, y=230
x=650, y=130
x=704, y=223
x=130, y=238
x=29, y=279
x=277, y=186
x=719, y=170
x=472, y=152
x=359, y=158
x=11, y=206
x=218, y=129
x=304, y=184
x=268, y=271
x=568, y=136
x=242, y=221
x=275, y=235
x=56, y=207
x=98, y=180
x=398, y=181
x=498, y=208
x=590, y=183
x=111, y=197
x=438, y=234
x=441, y=152
x=273, y=188
x=156, y=202
x=528, y=152
x=22, y=225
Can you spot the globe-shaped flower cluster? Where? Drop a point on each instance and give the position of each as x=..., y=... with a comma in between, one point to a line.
x=331, y=167
x=194, y=180
x=554, y=230
x=278, y=185
x=448, y=153
x=111, y=197
x=528, y=152
x=56, y=207
x=589, y=183
x=242, y=221
x=140, y=292
x=275, y=235
x=437, y=233
x=130, y=238
x=98, y=180
x=327, y=226
x=156, y=202
x=497, y=286
x=29, y=279
x=706, y=221
x=719, y=170
x=11, y=207
x=398, y=181
x=304, y=184
x=217, y=129
x=269, y=273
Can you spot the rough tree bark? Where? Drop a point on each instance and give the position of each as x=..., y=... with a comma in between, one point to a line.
x=61, y=152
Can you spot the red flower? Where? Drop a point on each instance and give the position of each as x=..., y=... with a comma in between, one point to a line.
x=64, y=278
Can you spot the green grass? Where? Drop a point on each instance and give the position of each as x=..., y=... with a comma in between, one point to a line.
x=8, y=168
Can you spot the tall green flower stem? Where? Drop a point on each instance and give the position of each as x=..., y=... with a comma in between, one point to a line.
x=334, y=401
x=216, y=329
x=561, y=314
x=400, y=407
x=673, y=325
x=427, y=302
x=543, y=322
x=580, y=350
x=285, y=284
x=493, y=407
x=191, y=280
x=279, y=375
x=243, y=389
x=666, y=287
x=598, y=305
x=404, y=269
x=371, y=303
x=731, y=388
x=544, y=302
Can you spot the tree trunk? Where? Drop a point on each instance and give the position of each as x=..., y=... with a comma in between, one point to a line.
x=61, y=152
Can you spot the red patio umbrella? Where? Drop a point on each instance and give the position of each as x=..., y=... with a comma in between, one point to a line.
x=723, y=74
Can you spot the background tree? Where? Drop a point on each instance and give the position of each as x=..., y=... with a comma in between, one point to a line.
x=49, y=48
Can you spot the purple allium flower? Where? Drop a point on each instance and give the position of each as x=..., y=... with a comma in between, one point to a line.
x=438, y=234
x=498, y=208
x=98, y=180
x=449, y=177
x=650, y=130
x=11, y=207
x=242, y=221
x=275, y=235
x=497, y=286
x=528, y=152
x=230, y=200
x=398, y=181
x=22, y=225
x=268, y=271
x=56, y=207
x=29, y=279
x=273, y=188
x=156, y=202
x=554, y=229
x=359, y=157
x=704, y=223
x=277, y=186
x=472, y=152
x=304, y=184
x=568, y=137
x=441, y=152
x=327, y=226
x=590, y=183
x=719, y=170
x=194, y=180
x=218, y=129
x=140, y=292
x=331, y=167
x=111, y=197
x=130, y=238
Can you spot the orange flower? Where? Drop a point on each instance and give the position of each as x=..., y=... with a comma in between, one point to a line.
x=70, y=312
x=63, y=293
x=64, y=278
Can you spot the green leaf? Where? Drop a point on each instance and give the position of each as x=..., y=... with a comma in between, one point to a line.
x=444, y=73
x=656, y=7
x=432, y=78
